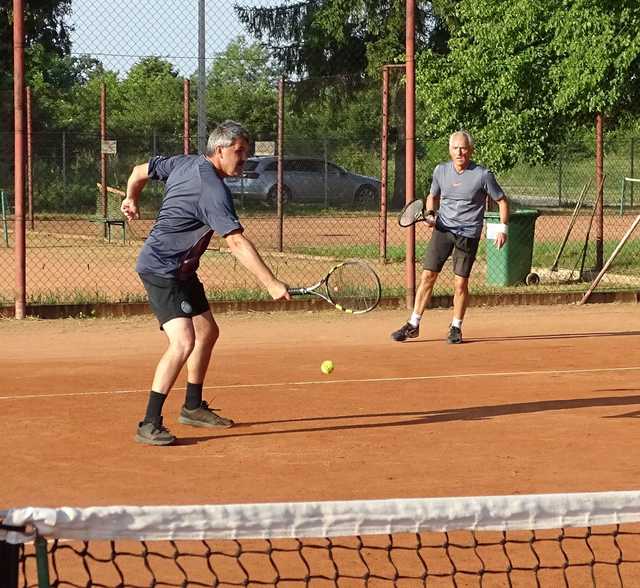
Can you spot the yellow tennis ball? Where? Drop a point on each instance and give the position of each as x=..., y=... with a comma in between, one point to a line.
x=326, y=367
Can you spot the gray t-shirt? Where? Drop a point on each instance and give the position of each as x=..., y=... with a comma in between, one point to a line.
x=463, y=197
x=196, y=203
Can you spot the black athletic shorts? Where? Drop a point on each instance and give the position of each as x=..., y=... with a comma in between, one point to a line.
x=440, y=247
x=171, y=298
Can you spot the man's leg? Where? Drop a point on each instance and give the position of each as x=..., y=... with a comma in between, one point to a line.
x=464, y=257
x=437, y=252
x=206, y=334
x=460, y=301
x=181, y=337
x=411, y=328
x=195, y=412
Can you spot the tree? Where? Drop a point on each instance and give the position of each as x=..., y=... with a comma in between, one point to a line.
x=44, y=27
x=343, y=45
x=522, y=75
x=241, y=85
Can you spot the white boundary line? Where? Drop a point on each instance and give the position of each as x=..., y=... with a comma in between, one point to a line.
x=331, y=382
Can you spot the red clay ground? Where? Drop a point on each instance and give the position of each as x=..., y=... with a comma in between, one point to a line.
x=538, y=400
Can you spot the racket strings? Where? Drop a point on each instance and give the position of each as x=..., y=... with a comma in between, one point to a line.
x=354, y=287
x=413, y=212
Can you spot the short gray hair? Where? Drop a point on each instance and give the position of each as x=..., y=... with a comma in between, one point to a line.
x=464, y=134
x=225, y=135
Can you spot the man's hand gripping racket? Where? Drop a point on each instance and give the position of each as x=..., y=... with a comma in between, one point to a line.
x=414, y=212
x=352, y=287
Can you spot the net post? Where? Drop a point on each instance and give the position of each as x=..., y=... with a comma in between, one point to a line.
x=9, y=558
x=42, y=562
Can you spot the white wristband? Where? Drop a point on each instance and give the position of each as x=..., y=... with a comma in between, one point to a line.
x=502, y=228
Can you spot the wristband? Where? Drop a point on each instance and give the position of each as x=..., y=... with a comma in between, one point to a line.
x=502, y=228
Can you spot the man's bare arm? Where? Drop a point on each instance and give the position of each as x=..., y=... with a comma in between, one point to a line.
x=245, y=252
x=136, y=182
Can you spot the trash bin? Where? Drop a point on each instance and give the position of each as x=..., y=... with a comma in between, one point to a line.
x=512, y=263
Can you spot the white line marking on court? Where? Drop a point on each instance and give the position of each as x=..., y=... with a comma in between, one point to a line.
x=354, y=381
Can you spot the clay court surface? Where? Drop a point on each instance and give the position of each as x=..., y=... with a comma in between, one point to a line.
x=538, y=400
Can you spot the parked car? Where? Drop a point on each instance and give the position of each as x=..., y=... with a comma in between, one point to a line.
x=306, y=179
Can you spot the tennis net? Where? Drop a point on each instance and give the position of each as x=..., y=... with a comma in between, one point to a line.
x=544, y=540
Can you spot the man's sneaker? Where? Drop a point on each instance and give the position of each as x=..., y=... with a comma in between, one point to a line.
x=406, y=331
x=154, y=433
x=203, y=416
x=455, y=335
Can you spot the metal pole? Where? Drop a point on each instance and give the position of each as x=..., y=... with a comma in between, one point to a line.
x=202, y=82
x=30, y=158
x=42, y=562
x=18, y=148
x=103, y=155
x=560, y=179
x=410, y=127
x=64, y=159
x=326, y=173
x=280, y=180
x=632, y=156
x=599, y=195
x=186, y=91
x=5, y=228
x=384, y=167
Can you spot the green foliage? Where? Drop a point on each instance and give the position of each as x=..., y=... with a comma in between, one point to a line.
x=241, y=85
x=522, y=76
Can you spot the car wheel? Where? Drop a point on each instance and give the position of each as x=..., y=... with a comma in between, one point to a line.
x=366, y=196
x=272, y=195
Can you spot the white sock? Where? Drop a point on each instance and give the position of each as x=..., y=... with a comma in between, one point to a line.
x=456, y=323
x=414, y=321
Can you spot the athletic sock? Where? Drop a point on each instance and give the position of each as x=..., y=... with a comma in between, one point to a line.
x=414, y=321
x=456, y=323
x=154, y=406
x=193, y=398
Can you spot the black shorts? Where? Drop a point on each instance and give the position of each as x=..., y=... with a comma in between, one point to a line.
x=171, y=298
x=440, y=247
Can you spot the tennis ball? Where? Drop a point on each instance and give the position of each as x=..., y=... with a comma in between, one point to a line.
x=326, y=367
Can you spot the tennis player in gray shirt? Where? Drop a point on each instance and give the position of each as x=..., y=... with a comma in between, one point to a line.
x=455, y=209
x=196, y=204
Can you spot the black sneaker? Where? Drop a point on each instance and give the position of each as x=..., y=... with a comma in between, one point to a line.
x=154, y=433
x=203, y=416
x=455, y=335
x=406, y=331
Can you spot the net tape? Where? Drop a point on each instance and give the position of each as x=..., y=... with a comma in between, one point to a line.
x=326, y=519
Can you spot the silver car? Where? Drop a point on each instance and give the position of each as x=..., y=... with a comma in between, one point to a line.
x=305, y=180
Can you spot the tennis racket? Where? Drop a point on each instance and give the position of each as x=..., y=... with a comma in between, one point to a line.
x=351, y=286
x=414, y=212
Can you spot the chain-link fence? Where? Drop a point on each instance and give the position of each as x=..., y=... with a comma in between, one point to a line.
x=118, y=96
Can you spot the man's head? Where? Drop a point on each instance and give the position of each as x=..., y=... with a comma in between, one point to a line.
x=460, y=149
x=228, y=148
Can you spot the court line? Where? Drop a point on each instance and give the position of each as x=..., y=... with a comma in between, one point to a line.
x=352, y=381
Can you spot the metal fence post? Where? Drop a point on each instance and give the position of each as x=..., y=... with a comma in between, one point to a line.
x=560, y=179
x=631, y=156
x=5, y=228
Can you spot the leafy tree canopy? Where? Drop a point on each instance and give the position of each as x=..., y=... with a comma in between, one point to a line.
x=522, y=75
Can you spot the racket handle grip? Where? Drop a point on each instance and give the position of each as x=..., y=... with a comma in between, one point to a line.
x=297, y=291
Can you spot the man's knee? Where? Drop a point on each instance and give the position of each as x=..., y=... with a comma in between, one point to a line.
x=428, y=278
x=461, y=285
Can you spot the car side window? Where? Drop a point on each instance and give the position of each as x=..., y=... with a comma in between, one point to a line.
x=271, y=166
x=333, y=169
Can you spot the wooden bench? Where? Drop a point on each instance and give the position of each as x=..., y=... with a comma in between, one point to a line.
x=108, y=223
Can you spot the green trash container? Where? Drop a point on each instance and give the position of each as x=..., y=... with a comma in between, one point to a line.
x=512, y=263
